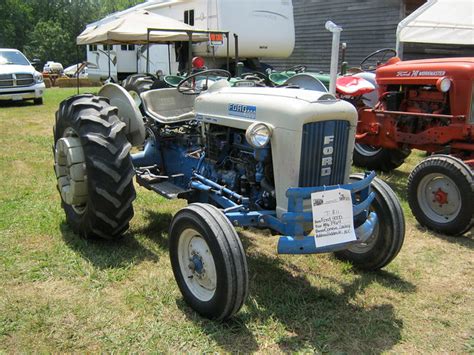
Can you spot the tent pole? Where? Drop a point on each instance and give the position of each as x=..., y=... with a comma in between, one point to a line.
x=77, y=67
x=108, y=54
x=236, y=42
x=147, y=51
x=190, y=52
x=227, y=42
x=169, y=59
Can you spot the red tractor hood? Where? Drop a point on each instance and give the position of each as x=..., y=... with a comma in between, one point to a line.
x=425, y=71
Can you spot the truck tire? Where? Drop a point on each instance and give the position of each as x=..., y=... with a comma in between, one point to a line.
x=93, y=167
x=136, y=84
x=208, y=261
x=385, y=243
x=374, y=158
x=441, y=194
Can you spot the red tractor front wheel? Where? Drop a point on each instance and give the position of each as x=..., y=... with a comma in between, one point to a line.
x=441, y=194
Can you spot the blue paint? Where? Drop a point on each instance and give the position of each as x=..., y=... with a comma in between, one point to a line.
x=244, y=111
x=307, y=245
x=213, y=183
x=149, y=156
x=197, y=261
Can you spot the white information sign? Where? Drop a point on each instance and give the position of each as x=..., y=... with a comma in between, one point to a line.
x=333, y=220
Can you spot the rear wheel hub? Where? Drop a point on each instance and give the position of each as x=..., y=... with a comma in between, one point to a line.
x=70, y=170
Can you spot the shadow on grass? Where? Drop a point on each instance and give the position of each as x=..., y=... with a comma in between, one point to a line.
x=24, y=103
x=156, y=228
x=465, y=240
x=397, y=180
x=312, y=317
x=105, y=254
x=325, y=319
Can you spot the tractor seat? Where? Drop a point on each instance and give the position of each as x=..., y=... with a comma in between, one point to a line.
x=354, y=86
x=173, y=80
x=168, y=106
x=306, y=81
x=278, y=78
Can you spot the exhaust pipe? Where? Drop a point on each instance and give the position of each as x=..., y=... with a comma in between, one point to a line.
x=336, y=35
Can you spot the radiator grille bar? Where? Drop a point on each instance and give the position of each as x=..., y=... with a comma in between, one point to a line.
x=324, y=153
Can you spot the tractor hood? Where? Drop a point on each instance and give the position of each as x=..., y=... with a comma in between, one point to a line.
x=280, y=107
x=426, y=71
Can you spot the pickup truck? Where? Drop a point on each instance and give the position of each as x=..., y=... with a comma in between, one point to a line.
x=19, y=80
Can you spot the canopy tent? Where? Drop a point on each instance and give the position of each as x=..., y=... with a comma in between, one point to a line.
x=133, y=28
x=144, y=27
x=439, y=21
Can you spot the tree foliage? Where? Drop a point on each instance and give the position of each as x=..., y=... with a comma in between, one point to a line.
x=47, y=29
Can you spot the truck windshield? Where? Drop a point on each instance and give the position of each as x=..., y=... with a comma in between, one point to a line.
x=14, y=58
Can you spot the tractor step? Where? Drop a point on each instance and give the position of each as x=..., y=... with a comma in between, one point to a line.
x=164, y=188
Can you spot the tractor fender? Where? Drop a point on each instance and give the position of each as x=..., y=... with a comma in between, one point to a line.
x=128, y=112
x=371, y=98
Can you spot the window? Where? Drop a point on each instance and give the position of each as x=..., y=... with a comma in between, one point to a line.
x=108, y=47
x=189, y=17
x=93, y=47
x=129, y=47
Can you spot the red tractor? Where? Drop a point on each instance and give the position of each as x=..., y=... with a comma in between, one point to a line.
x=426, y=105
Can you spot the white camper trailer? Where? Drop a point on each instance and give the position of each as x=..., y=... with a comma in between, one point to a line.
x=265, y=29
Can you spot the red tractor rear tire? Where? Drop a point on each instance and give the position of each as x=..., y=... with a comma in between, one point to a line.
x=375, y=158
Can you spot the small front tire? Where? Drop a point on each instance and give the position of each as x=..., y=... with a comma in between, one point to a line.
x=386, y=241
x=208, y=261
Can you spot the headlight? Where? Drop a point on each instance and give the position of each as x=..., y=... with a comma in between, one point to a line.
x=443, y=84
x=258, y=134
x=38, y=77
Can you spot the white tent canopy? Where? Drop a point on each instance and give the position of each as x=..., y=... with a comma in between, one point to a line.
x=133, y=28
x=440, y=22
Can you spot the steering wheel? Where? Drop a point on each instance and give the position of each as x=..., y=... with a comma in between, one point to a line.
x=297, y=68
x=365, y=65
x=190, y=80
x=258, y=77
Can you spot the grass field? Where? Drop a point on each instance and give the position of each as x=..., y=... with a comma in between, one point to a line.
x=59, y=292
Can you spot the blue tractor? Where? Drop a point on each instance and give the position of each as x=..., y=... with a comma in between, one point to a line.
x=260, y=157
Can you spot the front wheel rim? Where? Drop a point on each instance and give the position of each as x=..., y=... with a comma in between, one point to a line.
x=439, y=198
x=362, y=248
x=197, y=265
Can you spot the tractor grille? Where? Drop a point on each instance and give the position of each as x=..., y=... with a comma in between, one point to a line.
x=15, y=80
x=324, y=153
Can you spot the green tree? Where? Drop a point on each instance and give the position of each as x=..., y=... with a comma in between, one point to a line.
x=47, y=29
x=47, y=42
x=15, y=23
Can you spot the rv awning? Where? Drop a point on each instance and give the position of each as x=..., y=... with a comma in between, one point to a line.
x=132, y=28
x=440, y=22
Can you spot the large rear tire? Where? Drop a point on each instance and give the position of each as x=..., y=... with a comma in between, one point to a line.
x=386, y=241
x=208, y=261
x=93, y=167
x=376, y=158
x=441, y=194
x=136, y=84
